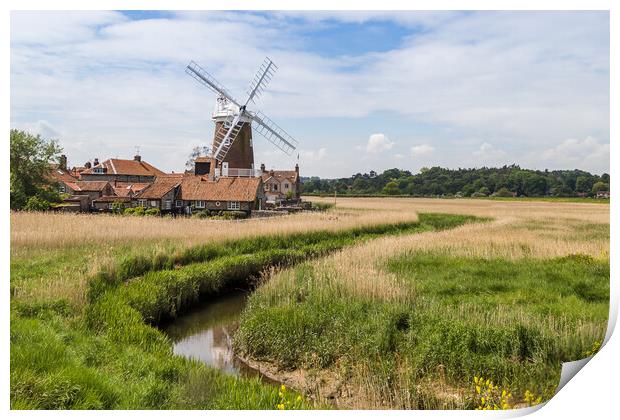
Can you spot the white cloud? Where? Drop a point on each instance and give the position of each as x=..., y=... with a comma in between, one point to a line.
x=378, y=143
x=421, y=150
x=43, y=128
x=315, y=155
x=588, y=153
x=107, y=82
x=488, y=152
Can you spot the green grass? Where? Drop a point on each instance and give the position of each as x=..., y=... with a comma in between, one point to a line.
x=512, y=321
x=110, y=354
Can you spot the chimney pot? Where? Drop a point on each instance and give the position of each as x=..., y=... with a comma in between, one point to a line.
x=262, y=167
x=63, y=162
x=96, y=162
x=137, y=158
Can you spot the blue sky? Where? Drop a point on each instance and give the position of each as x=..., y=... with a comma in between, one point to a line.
x=359, y=90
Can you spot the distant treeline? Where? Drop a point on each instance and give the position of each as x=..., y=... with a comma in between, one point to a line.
x=506, y=181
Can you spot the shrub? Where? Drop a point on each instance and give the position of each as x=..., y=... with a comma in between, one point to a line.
x=503, y=192
x=129, y=211
x=117, y=207
x=37, y=204
x=478, y=194
x=234, y=215
x=201, y=214
x=152, y=212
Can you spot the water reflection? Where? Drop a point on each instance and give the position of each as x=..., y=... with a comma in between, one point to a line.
x=205, y=334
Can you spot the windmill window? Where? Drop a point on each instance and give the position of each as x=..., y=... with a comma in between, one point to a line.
x=275, y=187
x=286, y=186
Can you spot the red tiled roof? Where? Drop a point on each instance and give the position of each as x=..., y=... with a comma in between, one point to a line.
x=159, y=188
x=88, y=185
x=280, y=175
x=125, y=189
x=126, y=167
x=223, y=189
x=61, y=175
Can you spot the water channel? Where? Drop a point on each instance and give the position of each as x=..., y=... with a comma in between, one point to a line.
x=205, y=334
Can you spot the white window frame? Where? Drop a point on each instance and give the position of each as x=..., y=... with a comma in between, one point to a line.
x=168, y=204
x=110, y=206
x=286, y=186
x=178, y=203
x=98, y=170
x=199, y=204
x=142, y=202
x=233, y=205
x=153, y=203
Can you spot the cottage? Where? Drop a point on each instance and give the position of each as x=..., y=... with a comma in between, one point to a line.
x=602, y=194
x=225, y=193
x=75, y=203
x=108, y=202
x=122, y=170
x=161, y=194
x=280, y=185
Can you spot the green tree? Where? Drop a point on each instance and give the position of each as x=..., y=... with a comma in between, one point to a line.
x=30, y=157
x=584, y=184
x=391, y=188
x=600, y=186
x=35, y=203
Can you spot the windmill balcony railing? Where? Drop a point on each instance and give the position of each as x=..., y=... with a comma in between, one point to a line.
x=242, y=172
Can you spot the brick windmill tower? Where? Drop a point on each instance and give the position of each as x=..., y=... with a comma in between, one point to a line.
x=232, y=152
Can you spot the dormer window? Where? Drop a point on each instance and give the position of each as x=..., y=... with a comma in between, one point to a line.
x=98, y=170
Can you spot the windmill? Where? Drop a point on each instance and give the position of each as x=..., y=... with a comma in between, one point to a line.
x=232, y=147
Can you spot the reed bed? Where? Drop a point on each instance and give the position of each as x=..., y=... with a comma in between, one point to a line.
x=408, y=321
x=47, y=231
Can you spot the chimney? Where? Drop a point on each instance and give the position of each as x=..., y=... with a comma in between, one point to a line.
x=297, y=168
x=271, y=172
x=262, y=168
x=137, y=158
x=87, y=165
x=96, y=162
x=63, y=162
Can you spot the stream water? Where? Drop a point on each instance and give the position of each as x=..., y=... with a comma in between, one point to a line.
x=205, y=334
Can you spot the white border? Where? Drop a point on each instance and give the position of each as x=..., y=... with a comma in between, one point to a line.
x=592, y=394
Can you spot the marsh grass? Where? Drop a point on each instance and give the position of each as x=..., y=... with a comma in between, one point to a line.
x=407, y=321
x=83, y=306
x=516, y=321
x=108, y=354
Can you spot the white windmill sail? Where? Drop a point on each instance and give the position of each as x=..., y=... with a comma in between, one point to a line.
x=233, y=123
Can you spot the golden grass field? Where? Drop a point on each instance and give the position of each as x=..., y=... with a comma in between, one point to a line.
x=518, y=229
x=82, y=244
x=539, y=230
